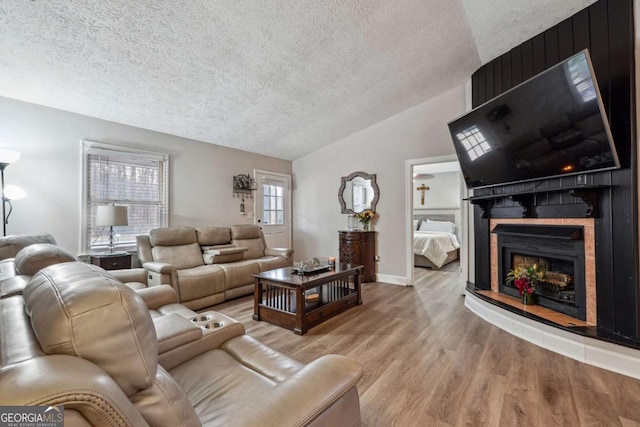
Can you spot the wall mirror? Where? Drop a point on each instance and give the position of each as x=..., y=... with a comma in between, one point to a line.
x=358, y=192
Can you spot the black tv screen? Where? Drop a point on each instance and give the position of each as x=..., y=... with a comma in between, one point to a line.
x=550, y=125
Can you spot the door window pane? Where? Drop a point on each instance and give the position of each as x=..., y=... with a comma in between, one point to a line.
x=273, y=204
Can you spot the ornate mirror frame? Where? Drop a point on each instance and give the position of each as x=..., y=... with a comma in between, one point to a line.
x=348, y=179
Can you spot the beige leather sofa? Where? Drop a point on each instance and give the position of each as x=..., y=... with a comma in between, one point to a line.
x=11, y=245
x=208, y=265
x=78, y=337
x=36, y=256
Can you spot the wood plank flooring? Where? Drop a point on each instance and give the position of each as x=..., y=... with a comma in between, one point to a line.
x=428, y=361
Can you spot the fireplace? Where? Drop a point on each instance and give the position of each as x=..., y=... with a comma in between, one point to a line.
x=559, y=250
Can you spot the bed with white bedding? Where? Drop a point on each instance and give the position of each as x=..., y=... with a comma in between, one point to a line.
x=435, y=243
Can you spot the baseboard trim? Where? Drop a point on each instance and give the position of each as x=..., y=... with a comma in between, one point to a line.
x=392, y=280
x=612, y=357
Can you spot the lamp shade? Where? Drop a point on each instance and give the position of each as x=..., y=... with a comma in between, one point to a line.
x=13, y=192
x=111, y=215
x=8, y=156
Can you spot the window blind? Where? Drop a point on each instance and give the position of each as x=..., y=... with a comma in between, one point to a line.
x=125, y=177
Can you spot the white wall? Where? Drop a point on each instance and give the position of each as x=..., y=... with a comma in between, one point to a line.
x=443, y=193
x=50, y=170
x=381, y=149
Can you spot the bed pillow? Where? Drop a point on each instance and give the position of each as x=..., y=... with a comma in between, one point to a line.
x=441, y=226
x=449, y=224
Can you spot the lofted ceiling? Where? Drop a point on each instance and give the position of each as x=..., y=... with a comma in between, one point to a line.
x=272, y=77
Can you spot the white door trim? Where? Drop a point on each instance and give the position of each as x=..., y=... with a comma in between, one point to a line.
x=289, y=202
x=464, y=215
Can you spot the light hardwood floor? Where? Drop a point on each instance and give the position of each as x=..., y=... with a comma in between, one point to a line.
x=428, y=361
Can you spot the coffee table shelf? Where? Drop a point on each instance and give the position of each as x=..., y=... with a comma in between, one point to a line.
x=280, y=296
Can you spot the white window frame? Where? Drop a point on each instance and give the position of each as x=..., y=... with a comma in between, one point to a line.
x=89, y=147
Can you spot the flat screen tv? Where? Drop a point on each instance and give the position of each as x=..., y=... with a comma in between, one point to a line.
x=551, y=125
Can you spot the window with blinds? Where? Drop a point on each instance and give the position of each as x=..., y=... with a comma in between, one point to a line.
x=124, y=177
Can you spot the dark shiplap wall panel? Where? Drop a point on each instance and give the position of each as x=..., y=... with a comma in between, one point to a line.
x=606, y=29
x=533, y=63
x=565, y=40
x=532, y=57
x=516, y=72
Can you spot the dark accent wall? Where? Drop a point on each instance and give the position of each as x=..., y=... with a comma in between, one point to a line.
x=606, y=30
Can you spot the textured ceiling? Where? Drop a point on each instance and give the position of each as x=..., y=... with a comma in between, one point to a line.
x=276, y=78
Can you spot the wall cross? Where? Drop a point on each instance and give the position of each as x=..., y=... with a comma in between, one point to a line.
x=422, y=189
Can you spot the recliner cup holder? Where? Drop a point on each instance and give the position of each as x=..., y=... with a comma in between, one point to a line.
x=202, y=318
x=213, y=325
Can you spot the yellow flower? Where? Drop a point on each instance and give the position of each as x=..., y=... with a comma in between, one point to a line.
x=366, y=216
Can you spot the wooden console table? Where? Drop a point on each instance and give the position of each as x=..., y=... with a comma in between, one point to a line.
x=281, y=297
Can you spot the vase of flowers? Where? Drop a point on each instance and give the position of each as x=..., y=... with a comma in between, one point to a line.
x=365, y=218
x=525, y=280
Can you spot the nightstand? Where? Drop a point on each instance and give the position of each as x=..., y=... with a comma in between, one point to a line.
x=116, y=261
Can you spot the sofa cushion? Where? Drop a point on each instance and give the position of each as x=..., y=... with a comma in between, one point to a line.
x=245, y=231
x=255, y=247
x=225, y=388
x=239, y=273
x=199, y=282
x=34, y=258
x=171, y=236
x=180, y=256
x=80, y=310
x=213, y=235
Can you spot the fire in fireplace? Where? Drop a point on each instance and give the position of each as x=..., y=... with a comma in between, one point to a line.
x=559, y=250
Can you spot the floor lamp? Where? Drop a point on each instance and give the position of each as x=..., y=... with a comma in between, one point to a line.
x=111, y=216
x=6, y=158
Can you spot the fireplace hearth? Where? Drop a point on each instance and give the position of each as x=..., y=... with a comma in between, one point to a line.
x=560, y=250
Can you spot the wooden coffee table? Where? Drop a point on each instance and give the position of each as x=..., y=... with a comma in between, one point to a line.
x=284, y=298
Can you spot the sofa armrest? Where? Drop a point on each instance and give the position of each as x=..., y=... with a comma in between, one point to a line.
x=76, y=383
x=130, y=275
x=307, y=393
x=158, y=296
x=174, y=331
x=13, y=285
x=159, y=267
x=283, y=252
x=7, y=268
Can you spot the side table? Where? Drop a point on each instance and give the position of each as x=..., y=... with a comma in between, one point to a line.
x=115, y=261
x=359, y=248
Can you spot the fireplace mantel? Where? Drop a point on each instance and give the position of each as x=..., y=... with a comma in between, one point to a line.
x=589, y=194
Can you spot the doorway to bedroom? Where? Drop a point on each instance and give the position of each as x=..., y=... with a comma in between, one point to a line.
x=436, y=219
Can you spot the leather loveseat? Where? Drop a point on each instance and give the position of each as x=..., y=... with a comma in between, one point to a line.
x=208, y=265
x=78, y=337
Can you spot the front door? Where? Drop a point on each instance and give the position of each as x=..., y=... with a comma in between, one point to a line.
x=273, y=208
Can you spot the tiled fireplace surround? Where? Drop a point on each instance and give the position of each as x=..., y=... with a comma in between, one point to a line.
x=590, y=261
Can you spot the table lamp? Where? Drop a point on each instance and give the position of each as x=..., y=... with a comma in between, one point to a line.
x=110, y=216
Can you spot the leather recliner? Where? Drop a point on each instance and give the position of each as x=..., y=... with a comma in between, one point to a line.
x=78, y=337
